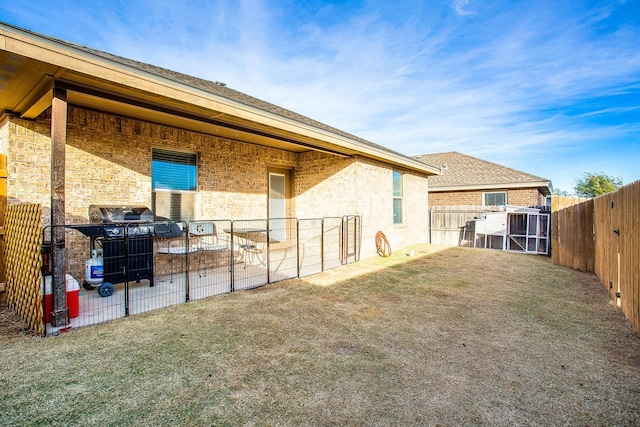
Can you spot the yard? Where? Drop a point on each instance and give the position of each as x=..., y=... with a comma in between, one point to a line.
x=451, y=336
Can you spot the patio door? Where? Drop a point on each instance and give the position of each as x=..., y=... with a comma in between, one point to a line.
x=279, y=206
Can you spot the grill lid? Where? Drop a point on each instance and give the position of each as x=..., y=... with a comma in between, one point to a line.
x=105, y=214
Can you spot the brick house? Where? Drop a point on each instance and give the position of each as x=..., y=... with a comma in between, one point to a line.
x=80, y=127
x=470, y=181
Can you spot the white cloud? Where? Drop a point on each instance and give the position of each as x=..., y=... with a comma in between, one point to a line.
x=459, y=7
x=518, y=83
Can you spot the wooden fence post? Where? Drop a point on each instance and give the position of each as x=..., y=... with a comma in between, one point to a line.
x=3, y=207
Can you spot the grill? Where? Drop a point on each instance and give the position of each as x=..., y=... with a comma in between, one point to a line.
x=124, y=234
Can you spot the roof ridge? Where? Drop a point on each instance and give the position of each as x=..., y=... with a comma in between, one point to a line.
x=469, y=170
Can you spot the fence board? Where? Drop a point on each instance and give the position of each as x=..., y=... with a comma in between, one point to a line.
x=602, y=235
x=590, y=241
x=555, y=252
x=453, y=226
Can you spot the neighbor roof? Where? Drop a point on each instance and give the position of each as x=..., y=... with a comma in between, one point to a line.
x=96, y=79
x=462, y=172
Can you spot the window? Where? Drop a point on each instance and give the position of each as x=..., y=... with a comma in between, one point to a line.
x=397, y=197
x=174, y=183
x=498, y=198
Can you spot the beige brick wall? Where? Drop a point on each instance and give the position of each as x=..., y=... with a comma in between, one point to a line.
x=364, y=187
x=325, y=185
x=4, y=135
x=108, y=161
x=28, y=166
x=525, y=197
x=517, y=197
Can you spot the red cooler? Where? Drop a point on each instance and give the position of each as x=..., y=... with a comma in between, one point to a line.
x=73, y=299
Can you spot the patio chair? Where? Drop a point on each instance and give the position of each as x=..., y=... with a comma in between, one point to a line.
x=205, y=238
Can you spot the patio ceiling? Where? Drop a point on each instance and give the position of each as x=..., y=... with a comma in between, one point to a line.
x=31, y=65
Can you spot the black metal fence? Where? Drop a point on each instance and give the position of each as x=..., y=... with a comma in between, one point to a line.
x=133, y=268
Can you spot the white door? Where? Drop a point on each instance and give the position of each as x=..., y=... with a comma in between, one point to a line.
x=279, y=203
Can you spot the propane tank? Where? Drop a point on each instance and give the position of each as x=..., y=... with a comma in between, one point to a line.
x=93, y=268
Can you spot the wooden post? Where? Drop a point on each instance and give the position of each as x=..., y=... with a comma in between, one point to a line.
x=3, y=207
x=58, y=142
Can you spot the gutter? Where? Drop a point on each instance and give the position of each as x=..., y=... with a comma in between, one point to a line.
x=541, y=185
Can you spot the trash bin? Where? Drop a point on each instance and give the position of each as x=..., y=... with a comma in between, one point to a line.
x=73, y=298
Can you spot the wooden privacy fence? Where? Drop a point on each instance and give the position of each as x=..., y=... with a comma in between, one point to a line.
x=572, y=243
x=453, y=225
x=603, y=235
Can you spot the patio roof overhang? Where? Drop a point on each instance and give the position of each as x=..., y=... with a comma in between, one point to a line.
x=31, y=66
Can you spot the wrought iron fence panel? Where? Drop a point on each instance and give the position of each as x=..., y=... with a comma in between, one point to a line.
x=332, y=247
x=351, y=238
x=249, y=243
x=169, y=283
x=121, y=269
x=310, y=244
x=211, y=259
x=282, y=249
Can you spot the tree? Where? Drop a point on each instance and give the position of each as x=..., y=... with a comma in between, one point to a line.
x=596, y=184
x=559, y=192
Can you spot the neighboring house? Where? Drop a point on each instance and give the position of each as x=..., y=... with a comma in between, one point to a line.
x=80, y=127
x=469, y=181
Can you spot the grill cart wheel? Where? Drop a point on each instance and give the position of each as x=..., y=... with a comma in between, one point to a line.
x=88, y=286
x=106, y=289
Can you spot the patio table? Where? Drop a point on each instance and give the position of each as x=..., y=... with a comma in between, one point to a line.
x=252, y=242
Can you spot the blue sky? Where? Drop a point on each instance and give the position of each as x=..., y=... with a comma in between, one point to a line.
x=551, y=88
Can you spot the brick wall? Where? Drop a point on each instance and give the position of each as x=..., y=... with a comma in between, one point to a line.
x=364, y=187
x=517, y=197
x=108, y=161
x=525, y=197
x=28, y=167
x=4, y=134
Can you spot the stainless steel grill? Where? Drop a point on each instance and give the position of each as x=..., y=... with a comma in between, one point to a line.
x=112, y=218
x=125, y=235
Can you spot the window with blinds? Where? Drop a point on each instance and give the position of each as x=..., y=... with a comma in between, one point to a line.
x=397, y=197
x=498, y=198
x=174, y=182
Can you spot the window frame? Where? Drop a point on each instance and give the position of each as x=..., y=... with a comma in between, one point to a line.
x=186, y=158
x=487, y=193
x=398, y=197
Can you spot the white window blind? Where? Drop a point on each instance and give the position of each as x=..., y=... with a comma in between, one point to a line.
x=173, y=170
x=174, y=180
x=498, y=198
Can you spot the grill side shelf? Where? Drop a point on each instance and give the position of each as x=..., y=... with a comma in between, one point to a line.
x=89, y=230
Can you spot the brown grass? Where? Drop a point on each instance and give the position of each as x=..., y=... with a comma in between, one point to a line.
x=451, y=337
x=12, y=327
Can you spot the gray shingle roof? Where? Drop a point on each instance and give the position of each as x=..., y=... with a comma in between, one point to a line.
x=460, y=170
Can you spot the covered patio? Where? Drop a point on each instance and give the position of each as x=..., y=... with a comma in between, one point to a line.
x=208, y=258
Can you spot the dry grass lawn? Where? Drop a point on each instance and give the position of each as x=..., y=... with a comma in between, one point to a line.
x=454, y=336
